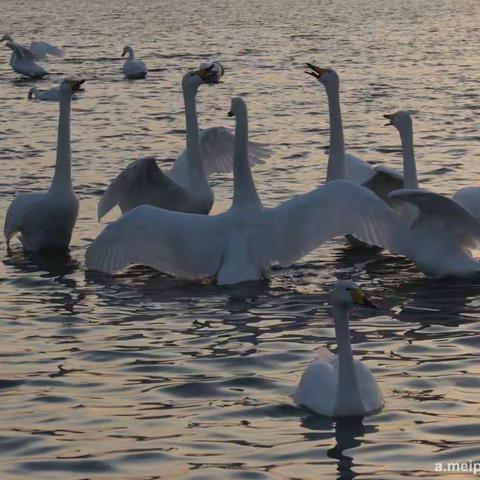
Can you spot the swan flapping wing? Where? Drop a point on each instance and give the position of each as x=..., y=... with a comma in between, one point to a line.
x=358, y=170
x=442, y=212
x=40, y=49
x=384, y=181
x=180, y=244
x=340, y=207
x=23, y=53
x=141, y=182
x=217, y=151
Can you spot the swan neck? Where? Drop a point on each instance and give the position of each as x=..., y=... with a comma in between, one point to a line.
x=348, y=392
x=193, y=139
x=409, y=163
x=337, y=168
x=244, y=191
x=131, y=55
x=62, y=177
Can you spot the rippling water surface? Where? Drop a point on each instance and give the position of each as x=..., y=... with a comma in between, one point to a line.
x=143, y=376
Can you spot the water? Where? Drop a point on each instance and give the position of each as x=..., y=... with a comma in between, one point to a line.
x=143, y=376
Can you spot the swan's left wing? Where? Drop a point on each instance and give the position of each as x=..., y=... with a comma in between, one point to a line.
x=358, y=170
x=217, y=151
x=181, y=244
x=44, y=48
x=23, y=53
x=442, y=213
x=340, y=207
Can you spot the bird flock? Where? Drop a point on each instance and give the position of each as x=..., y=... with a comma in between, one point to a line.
x=165, y=222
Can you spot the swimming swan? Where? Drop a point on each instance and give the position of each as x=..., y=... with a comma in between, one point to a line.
x=23, y=62
x=133, y=68
x=45, y=220
x=51, y=95
x=338, y=385
x=185, y=188
x=242, y=243
x=380, y=178
x=38, y=48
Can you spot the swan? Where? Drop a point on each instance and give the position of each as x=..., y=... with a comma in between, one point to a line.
x=338, y=385
x=133, y=69
x=435, y=232
x=185, y=188
x=45, y=220
x=23, y=62
x=38, y=48
x=217, y=71
x=51, y=95
x=469, y=197
x=242, y=243
x=380, y=178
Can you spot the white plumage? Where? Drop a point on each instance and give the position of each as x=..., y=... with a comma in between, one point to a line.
x=133, y=68
x=38, y=48
x=22, y=61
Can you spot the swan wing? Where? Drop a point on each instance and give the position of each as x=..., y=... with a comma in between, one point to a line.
x=439, y=211
x=41, y=48
x=18, y=209
x=384, y=181
x=141, y=182
x=358, y=170
x=469, y=198
x=340, y=207
x=180, y=244
x=217, y=152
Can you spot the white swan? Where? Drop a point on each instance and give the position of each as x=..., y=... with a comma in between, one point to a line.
x=45, y=220
x=434, y=231
x=133, y=68
x=23, y=62
x=242, y=243
x=185, y=188
x=380, y=179
x=338, y=385
x=217, y=71
x=38, y=48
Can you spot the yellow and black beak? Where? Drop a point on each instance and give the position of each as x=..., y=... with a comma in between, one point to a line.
x=75, y=84
x=204, y=73
x=315, y=71
x=359, y=298
x=390, y=118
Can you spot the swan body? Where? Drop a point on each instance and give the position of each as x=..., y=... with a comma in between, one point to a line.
x=339, y=385
x=23, y=62
x=242, y=243
x=185, y=187
x=39, y=49
x=133, y=68
x=45, y=220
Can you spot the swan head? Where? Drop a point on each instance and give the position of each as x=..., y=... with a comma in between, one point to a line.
x=216, y=74
x=326, y=76
x=10, y=45
x=195, y=78
x=400, y=120
x=32, y=93
x=347, y=293
x=127, y=49
x=70, y=85
x=7, y=38
x=237, y=106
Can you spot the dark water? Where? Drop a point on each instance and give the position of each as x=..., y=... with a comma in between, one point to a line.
x=144, y=376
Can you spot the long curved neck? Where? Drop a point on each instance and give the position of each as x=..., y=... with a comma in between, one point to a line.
x=194, y=153
x=409, y=163
x=244, y=191
x=337, y=167
x=62, y=177
x=131, y=55
x=348, y=392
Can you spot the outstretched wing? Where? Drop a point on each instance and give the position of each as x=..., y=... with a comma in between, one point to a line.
x=41, y=48
x=358, y=170
x=142, y=182
x=23, y=53
x=384, y=181
x=442, y=212
x=217, y=152
x=181, y=244
x=340, y=207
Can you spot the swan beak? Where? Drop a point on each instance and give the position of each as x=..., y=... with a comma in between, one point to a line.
x=5, y=37
x=390, y=118
x=230, y=114
x=75, y=84
x=315, y=71
x=359, y=298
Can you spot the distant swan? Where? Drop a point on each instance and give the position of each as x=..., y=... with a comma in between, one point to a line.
x=45, y=220
x=185, y=188
x=338, y=385
x=38, y=48
x=242, y=243
x=133, y=68
x=23, y=62
x=51, y=95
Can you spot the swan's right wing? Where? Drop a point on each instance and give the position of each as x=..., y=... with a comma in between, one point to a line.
x=180, y=244
x=440, y=212
x=140, y=183
x=358, y=170
x=46, y=48
x=23, y=53
x=340, y=207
